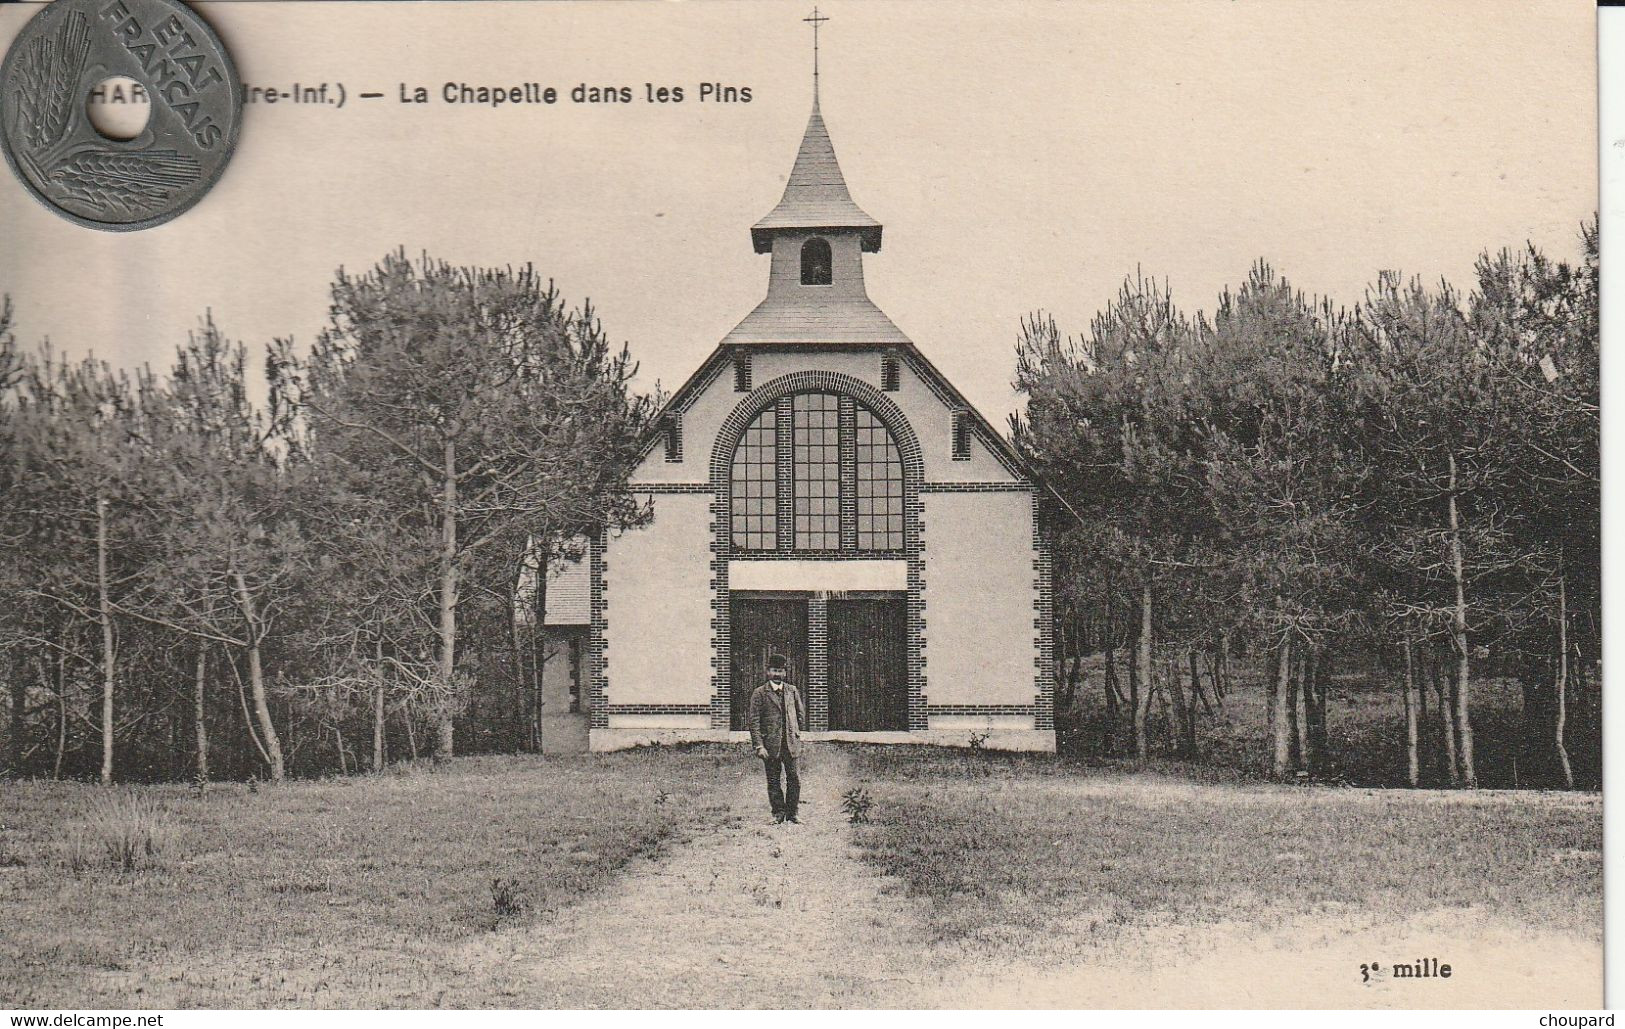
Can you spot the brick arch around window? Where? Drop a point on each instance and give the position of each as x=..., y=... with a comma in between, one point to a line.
x=722, y=549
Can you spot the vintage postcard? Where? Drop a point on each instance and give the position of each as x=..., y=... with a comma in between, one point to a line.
x=729, y=505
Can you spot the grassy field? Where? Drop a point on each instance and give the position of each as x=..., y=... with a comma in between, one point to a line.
x=1009, y=849
x=312, y=891
x=652, y=877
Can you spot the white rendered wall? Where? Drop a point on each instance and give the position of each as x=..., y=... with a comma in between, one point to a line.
x=744, y=574
x=658, y=606
x=979, y=599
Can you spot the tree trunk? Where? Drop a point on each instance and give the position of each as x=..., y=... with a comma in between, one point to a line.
x=1280, y=728
x=517, y=724
x=1560, y=687
x=1114, y=711
x=1142, y=748
x=1108, y=742
x=1447, y=723
x=1176, y=688
x=443, y=748
x=248, y=719
x=1464, y=718
x=104, y=615
x=1184, y=715
x=1295, y=717
x=1072, y=668
x=262, y=713
x=1159, y=697
x=1315, y=682
x=411, y=735
x=19, y=712
x=538, y=648
x=1215, y=680
x=378, y=707
x=527, y=675
x=522, y=718
x=199, y=720
x=1450, y=677
x=1196, y=688
x=61, y=714
x=1413, y=765
x=1425, y=757
x=1134, y=679
x=256, y=678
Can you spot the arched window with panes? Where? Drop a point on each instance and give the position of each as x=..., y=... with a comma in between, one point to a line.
x=817, y=472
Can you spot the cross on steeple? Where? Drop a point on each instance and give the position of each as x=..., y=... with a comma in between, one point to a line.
x=815, y=20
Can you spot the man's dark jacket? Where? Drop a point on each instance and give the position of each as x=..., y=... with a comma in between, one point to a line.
x=766, y=720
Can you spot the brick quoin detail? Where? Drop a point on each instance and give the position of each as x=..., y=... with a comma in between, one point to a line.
x=976, y=487
x=598, y=620
x=818, y=663
x=982, y=709
x=1043, y=623
x=914, y=542
x=721, y=626
x=908, y=447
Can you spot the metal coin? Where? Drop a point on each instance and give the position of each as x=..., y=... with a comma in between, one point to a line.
x=65, y=51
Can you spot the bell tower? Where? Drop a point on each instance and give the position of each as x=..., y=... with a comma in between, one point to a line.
x=817, y=236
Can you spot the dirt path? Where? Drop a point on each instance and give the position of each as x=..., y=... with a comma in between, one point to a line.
x=756, y=915
x=761, y=915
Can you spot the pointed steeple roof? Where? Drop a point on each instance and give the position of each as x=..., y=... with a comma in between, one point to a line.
x=815, y=197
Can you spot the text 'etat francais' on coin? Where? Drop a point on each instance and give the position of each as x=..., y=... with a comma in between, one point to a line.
x=63, y=55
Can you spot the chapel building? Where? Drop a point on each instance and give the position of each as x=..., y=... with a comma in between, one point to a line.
x=822, y=492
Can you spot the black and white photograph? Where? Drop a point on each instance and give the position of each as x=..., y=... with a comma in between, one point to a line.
x=746, y=505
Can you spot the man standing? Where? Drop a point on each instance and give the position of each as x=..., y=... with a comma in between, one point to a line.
x=776, y=716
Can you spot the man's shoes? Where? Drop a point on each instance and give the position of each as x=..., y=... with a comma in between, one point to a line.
x=792, y=818
x=779, y=817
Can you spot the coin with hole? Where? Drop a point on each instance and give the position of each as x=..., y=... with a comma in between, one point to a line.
x=118, y=114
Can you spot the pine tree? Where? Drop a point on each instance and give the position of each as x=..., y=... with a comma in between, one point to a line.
x=506, y=416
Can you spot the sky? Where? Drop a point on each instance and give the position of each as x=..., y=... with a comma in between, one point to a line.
x=1021, y=157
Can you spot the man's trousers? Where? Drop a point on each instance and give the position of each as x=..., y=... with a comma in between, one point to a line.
x=787, y=799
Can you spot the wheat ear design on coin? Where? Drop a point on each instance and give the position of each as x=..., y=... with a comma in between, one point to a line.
x=132, y=181
x=50, y=71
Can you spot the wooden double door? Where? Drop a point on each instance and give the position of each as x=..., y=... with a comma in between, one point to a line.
x=761, y=627
x=865, y=654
